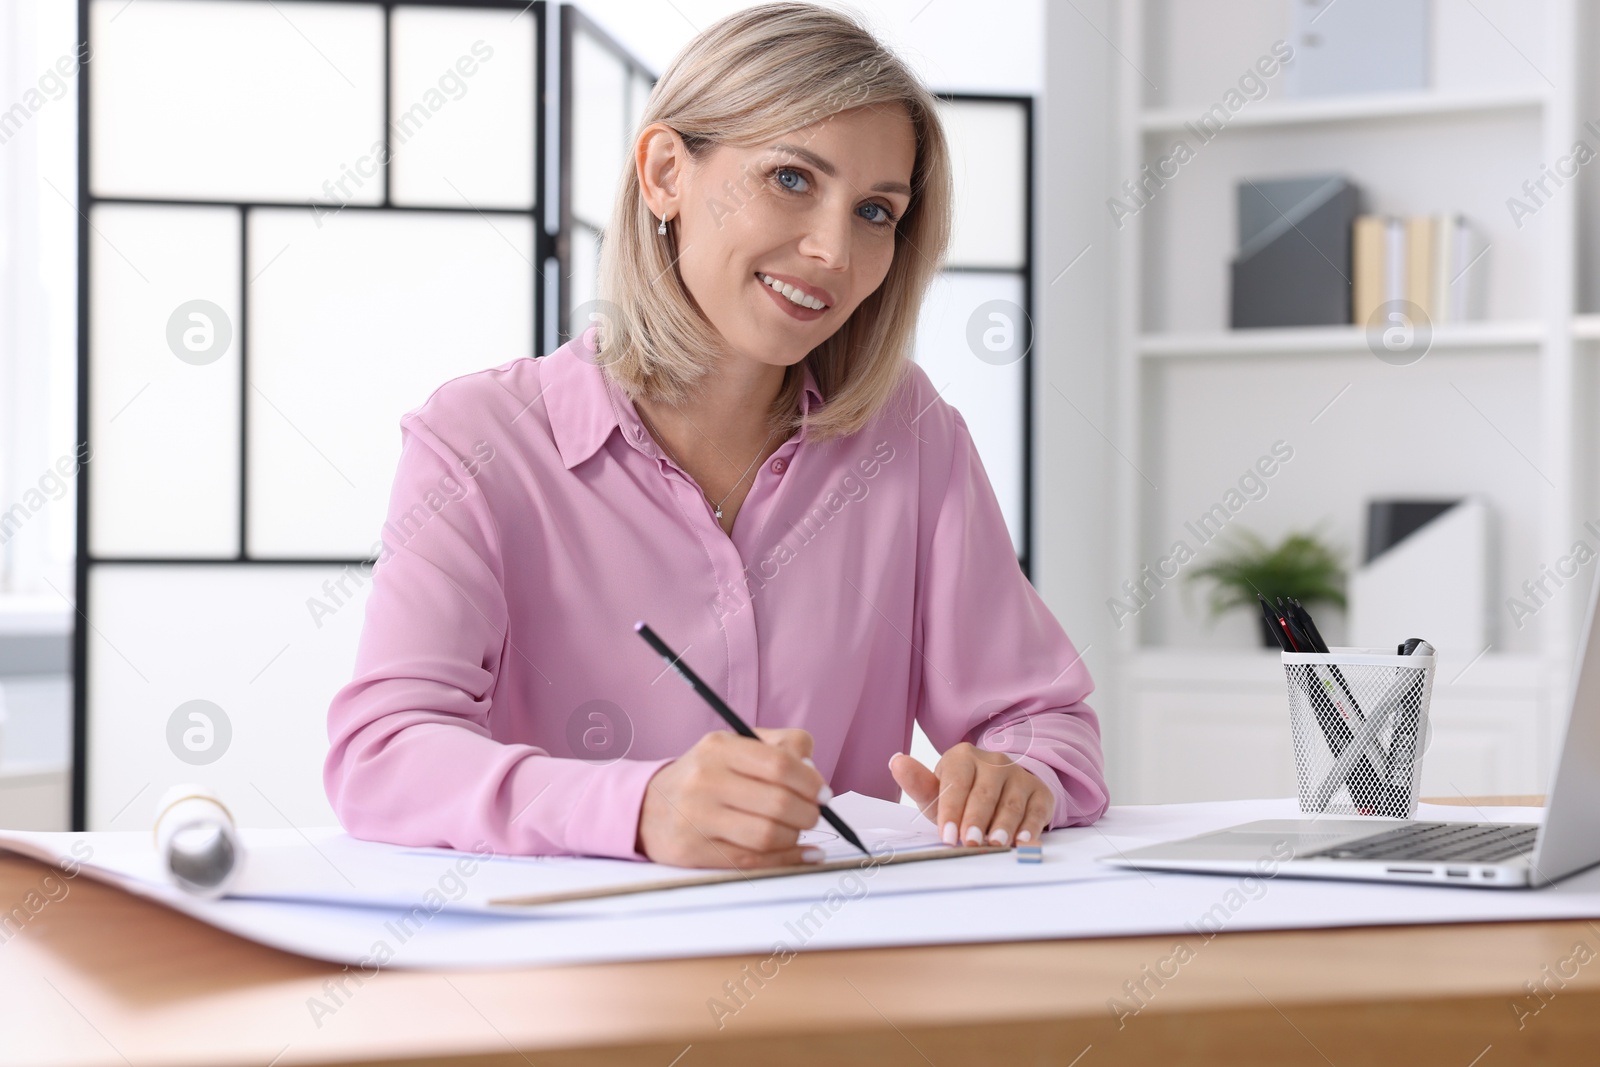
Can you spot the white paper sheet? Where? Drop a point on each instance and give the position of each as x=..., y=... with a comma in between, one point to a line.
x=841, y=916
x=325, y=865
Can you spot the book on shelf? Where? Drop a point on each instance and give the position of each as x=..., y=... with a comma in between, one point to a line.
x=1434, y=262
x=1419, y=260
x=1394, y=259
x=1293, y=263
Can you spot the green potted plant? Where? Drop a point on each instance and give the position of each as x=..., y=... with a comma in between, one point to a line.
x=1300, y=567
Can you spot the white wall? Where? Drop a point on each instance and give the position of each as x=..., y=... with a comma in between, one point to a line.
x=955, y=45
x=1075, y=258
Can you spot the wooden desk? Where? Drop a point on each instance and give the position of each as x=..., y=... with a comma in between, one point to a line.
x=100, y=977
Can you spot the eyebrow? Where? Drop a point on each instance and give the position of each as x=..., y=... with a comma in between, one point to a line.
x=831, y=171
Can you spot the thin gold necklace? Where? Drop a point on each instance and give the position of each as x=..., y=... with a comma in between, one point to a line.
x=717, y=505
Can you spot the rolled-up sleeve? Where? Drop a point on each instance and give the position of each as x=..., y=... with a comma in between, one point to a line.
x=997, y=668
x=412, y=759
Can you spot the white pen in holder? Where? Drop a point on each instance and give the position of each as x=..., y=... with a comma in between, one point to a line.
x=196, y=840
x=1359, y=721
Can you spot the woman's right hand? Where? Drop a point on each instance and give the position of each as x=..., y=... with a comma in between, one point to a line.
x=733, y=801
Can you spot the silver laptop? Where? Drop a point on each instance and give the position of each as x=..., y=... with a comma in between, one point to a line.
x=1481, y=854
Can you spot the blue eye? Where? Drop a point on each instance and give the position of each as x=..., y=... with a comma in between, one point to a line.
x=781, y=171
x=889, y=218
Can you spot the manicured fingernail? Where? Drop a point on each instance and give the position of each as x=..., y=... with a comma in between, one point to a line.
x=974, y=835
x=812, y=855
x=807, y=761
x=1024, y=836
x=891, y=758
x=824, y=794
x=949, y=834
x=999, y=836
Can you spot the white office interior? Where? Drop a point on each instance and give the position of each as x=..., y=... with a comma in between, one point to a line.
x=184, y=534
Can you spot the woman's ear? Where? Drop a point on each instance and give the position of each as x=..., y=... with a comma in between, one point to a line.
x=661, y=158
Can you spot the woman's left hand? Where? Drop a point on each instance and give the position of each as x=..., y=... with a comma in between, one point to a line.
x=977, y=797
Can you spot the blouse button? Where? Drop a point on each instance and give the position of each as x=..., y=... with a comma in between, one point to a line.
x=779, y=464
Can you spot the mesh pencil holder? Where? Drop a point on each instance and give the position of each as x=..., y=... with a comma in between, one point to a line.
x=1359, y=721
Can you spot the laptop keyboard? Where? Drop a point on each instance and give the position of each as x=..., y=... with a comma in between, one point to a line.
x=1463, y=842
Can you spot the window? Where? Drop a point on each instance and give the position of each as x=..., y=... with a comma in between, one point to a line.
x=40, y=72
x=302, y=217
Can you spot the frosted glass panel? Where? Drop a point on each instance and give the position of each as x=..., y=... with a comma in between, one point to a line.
x=583, y=281
x=351, y=325
x=599, y=129
x=462, y=122
x=988, y=149
x=248, y=101
x=639, y=88
x=988, y=395
x=242, y=639
x=164, y=426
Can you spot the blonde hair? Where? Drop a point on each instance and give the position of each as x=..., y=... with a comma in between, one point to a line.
x=745, y=80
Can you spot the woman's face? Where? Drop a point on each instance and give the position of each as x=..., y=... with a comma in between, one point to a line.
x=815, y=209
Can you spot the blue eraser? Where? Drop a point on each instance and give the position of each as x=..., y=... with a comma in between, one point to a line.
x=1030, y=853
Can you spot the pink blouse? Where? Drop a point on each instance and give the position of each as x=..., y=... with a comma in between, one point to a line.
x=501, y=696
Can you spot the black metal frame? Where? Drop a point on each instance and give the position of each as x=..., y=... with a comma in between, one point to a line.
x=82, y=560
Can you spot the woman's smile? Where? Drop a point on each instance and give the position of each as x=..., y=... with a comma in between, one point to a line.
x=794, y=310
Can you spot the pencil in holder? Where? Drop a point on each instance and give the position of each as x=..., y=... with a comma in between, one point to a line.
x=1359, y=722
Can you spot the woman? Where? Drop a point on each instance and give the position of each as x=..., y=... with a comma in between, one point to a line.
x=742, y=454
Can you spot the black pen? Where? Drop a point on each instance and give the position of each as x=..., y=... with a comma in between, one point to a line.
x=1302, y=640
x=728, y=715
x=1308, y=625
x=1277, y=628
x=1319, y=645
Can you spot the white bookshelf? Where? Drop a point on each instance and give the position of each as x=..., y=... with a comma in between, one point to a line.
x=1372, y=107
x=1227, y=710
x=1243, y=666
x=1525, y=335
x=1494, y=407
